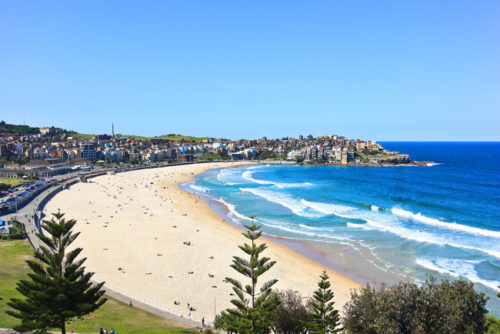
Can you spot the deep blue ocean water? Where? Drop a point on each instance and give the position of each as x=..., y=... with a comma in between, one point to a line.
x=408, y=222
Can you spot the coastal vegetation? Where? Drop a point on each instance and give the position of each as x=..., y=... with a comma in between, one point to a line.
x=445, y=307
x=253, y=307
x=290, y=313
x=323, y=317
x=259, y=311
x=57, y=288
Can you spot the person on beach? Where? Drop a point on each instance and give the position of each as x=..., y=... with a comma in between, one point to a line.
x=112, y=331
x=101, y=331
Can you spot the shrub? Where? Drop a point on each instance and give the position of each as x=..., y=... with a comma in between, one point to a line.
x=447, y=307
x=289, y=313
x=493, y=324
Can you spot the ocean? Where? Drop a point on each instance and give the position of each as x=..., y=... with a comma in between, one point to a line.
x=379, y=224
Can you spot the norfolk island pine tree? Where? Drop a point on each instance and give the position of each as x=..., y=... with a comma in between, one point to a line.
x=323, y=317
x=57, y=289
x=252, y=314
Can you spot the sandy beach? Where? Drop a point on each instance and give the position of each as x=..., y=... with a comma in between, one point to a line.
x=152, y=241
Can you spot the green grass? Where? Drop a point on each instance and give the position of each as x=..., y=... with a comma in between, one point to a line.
x=124, y=319
x=12, y=268
x=81, y=135
x=176, y=138
x=186, y=138
x=210, y=156
x=136, y=138
x=113, y=314
x=12, y=182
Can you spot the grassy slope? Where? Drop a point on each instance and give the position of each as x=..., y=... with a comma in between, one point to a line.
x=23, y=129
x=142, y=138
x=186, y=138
x=172, y=138
x=113, y=314
x=81, y=135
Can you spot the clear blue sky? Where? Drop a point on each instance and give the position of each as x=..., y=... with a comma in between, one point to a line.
x=383, y=70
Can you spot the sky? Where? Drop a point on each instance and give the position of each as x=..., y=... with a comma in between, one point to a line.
x=379, y=70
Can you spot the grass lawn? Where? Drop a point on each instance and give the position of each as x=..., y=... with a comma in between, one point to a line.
x=12, y=268
x=113, y=314
x=13, y=182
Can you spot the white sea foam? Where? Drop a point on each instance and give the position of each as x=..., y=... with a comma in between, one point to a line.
x=248, y=176
x=361, y=226
x=428, y=238
x=293, y=229
x=331, y=209
x=199, y=188
x=428, y=264
x=374, y=208
x=232, y=210
x=430, y=164
x=285, y=200
x=313, y=228
x=256, y=167
x=227, y=176
x=453, y=226
x=457, y=268
x=384, y=222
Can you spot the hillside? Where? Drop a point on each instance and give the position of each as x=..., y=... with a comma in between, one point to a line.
x=21, y=129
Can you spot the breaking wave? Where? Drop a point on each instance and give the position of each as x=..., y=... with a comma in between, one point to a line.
x=453, y=226
x=232, y=210
x=285, y=200
x=388, y=223
x=457, y=268
x=199, y=188
x=248, y=176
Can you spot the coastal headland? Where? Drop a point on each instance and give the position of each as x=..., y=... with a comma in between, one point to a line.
x=154, y=242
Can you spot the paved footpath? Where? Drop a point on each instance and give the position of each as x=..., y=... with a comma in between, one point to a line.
x=30, y=216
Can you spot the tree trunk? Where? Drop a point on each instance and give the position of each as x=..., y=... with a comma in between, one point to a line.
x=63, y=328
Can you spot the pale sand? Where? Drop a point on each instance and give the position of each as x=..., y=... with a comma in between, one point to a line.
x=127, y=221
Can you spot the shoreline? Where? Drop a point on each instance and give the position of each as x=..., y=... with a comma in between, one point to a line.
x=132, y=227
x=331, y=255
x=302, y=247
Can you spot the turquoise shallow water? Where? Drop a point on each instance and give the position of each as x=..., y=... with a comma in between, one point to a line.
x=405, y=222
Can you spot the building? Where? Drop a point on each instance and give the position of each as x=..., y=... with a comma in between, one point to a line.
x=103, y=137
x=79, y=163
x=88, y=151
x=47, y=131
x=184, y=157
x=236, y=156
